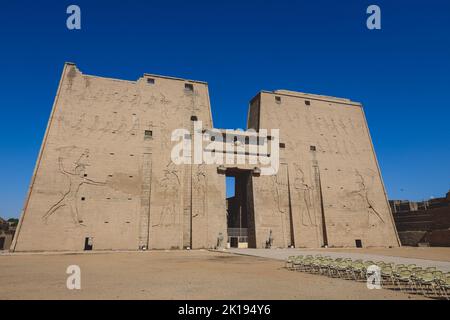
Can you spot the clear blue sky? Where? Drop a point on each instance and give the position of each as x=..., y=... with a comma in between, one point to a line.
x=400, y=73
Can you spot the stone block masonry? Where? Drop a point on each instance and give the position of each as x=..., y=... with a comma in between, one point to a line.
x=104, y=178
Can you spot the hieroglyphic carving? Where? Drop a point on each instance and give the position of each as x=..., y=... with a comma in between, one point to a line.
x=163, y=100
x=135, y=124
x=342, y=125
x=311, y=127
x=94, y=126
x=77, y=126
x=148, y=103
x=333, y=125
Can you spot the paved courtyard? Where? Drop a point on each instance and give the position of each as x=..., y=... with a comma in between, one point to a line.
x=424, y=257
x=195, y=274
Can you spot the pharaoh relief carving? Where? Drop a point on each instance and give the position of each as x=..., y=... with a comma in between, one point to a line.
x=304, y=193
x=76, y=177
x=280, y=186
x=169, y=185
x=366, y=184
x=200, y=191
x=359, y=200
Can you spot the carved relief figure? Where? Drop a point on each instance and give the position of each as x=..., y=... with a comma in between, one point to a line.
x=170, y=186
x=363, y=193
x=134, y=126
x=77, y=178
x=304, y=193
x=280, y=191
x=200, y=188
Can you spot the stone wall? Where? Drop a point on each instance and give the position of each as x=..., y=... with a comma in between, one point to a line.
x=328, y=190
x=104, y=175
x=104, y=170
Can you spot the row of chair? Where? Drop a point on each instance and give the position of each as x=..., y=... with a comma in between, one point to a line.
x=410, y=278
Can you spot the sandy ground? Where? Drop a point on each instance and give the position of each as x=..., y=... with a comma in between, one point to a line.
x=195, y=274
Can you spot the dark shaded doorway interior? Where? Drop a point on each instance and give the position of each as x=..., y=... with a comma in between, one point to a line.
x=240, y=209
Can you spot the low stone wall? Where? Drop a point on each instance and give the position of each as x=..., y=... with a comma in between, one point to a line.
x=430, y=227
x=438, y=238
x=411, y=238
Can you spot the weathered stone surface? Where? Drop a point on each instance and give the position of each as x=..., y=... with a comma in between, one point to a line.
x=99, y=175
x=329, y=182
x=104, y=174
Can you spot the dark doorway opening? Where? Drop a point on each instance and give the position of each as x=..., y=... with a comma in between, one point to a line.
x=358, y=243
x=2, y=243
x=240, y=212
x=234, y=242
x=88, y=243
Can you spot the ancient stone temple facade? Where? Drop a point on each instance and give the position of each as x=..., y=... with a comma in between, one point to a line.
x=328, y=190
x=105, y=178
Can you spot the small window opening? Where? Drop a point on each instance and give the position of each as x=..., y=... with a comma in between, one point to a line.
x=189, y=87
x=307, y=102
x=282, y=145
x=312, y=148
x=194, y=118
x=358, y=243
x=148, y=133
x=150, y=81
x=88, y=243
x=278, y=100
